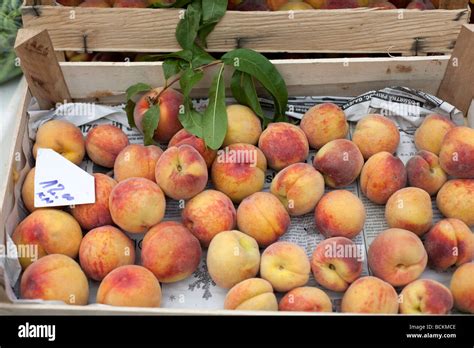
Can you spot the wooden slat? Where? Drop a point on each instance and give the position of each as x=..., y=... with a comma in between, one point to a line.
x=457, y=86
x=40, y=67
x=350, y=30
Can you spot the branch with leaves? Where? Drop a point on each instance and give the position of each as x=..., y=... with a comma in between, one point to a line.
x=189, y=65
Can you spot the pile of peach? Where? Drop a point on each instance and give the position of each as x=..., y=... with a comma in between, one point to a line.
x=235, y=220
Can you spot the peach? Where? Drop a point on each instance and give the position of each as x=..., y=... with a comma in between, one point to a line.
x=340, y=162
x=449, y=243
x=46, y=231
x=239, y=170
x=183, y=137
x=397, y=256
x=456, y=200
x=243, y=126
x=275, y=4
x=426, y=296
x=209, y=213
x=370, y=295
x=374, y=134
x=283, y=144
x=262, y=216
x=136, y=204
x=382, y=175
x=181, y=172
x=130, y=286
x=62, y=137
x=462, y=288
x=323, y=123
x=425, y=172
x=28, y=191
x=285, y=265
x=317, y=4
x=340, y=213
x=306, y=299
x=131, y=3
x=137, y=161
x=337, y=4
x=299, y=187
x=169, y=103
x=55, y=277
x=95, y=3
x=232, y=257
x=410, y=209
x=336, y=263
x=104, y=143
x=457, y=153
x=383, y=4
x=252, y=294
x=96, y=214
x=430, y=134
x=103, y=249
x=295, y=5
x=171, y=252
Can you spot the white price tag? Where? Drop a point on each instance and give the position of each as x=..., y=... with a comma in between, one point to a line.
x=59, y=182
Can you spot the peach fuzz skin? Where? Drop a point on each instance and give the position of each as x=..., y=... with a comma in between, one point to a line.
x=28, y=191
x=104, y=143
x=456, y=156
x=103, y=249
x=243, y=126
x=430, y=134
x=170, y=251
x=462, y=288
x=425, y=172
x=183, y=137
x=137, y=161
x=456, y=200
x=130, y=286
x=426, y=296
x=397, y=256
x=305, y=299
x=253, y=294
x=55, y=277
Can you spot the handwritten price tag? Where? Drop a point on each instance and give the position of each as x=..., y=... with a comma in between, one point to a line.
x=59, y=182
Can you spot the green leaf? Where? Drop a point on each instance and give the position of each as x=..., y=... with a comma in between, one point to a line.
x=264, y=71
x=137, y=88
x=243, y=90
x=214, y=121
x=190, y=118
x=150, y=123
x=129, y=108
x=212, y=12
x=187, y=28
x=200, y=57
x=188, y=80
x=204, y=31
x=171, y=67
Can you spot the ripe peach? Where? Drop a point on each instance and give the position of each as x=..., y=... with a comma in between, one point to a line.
x=424, y=171
x=243, y=126
x=457, y=153
x=370, y=295
x=323, y=123
x=169, y=101
x=283, y=144
x=306, y=299
x=55, y=277
x=376, y=133
x=131, y=3
x=426, y=296
x=397, y=256
x=262, y=216
x=274, y=5
x=130, y=286
x=62, y=137
x=430, y=134
x=137, y=161
x=456, y=200
x=136, y=204
x=171, y=252
x=104, y=249
x=209, y=213
x=295, y=5
x=51, y=231
x=96, y=214
x=183, y=137
x=299, y=187
x=28, y=191
x=337, y=4
x=340, y=162
x=339, y=213
x=336, y=263
x=104, y=143
x=181, y=172
x=410, y=209
x=450, y=242
x=462, y=288
x=95, y=3
x=239, y=170
x=285, y=265
x=383, y=4
x=316, y=4
x=382, y=175
x=232, y=257
x=252, y=294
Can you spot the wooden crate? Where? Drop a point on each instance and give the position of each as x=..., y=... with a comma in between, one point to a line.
x=364, y=30
x=448, y=77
